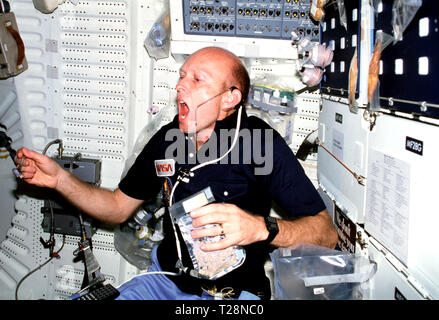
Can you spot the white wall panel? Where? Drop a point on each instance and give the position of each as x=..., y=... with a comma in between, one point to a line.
x=87, y=83
x=408, y=235
x=348, y=142
x=8, y=118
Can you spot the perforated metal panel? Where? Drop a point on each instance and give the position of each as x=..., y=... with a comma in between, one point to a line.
x=80, y=86
x=77, y=87
x=164, y=94
x=21, y=251
x=94, y=73
x=10, y=119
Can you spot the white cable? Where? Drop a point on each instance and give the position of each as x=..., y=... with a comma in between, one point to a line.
x=177, y=241
x=235, y=139
x=172, y=192
x=238, y=125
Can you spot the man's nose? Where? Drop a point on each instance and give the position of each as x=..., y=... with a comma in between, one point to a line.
x=181, y=87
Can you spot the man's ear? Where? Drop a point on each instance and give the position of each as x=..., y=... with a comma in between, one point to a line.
x=231, y=99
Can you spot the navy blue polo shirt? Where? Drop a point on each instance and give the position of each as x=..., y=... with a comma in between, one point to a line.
x=260, y=169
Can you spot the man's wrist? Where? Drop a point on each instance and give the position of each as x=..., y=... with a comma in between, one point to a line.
x=64, y=180
x=264, y=233
x=272, y=228
x=59, y=177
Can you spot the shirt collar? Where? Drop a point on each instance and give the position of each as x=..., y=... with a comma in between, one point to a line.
x=230, y=121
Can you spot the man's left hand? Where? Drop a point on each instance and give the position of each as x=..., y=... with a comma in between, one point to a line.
x=238, y=226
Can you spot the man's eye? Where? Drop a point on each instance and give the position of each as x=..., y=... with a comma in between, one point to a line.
x=197, y=78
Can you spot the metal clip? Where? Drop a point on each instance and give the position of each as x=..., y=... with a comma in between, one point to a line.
x=390, y=102
x=179, y=265
x=184, y=175
x=360, y=179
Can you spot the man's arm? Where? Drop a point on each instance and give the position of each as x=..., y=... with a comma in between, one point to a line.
x=242, y=228
x=317, y=230
x=105, y=205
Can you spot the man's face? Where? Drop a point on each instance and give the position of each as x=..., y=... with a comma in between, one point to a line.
x=202, y=77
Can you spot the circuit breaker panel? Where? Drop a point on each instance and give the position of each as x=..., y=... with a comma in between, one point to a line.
x=261, y=19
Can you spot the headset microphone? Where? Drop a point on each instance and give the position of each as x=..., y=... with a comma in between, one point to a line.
x=213, y=97
x=217, y=95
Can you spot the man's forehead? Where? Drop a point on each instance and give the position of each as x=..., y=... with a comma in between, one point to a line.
x=205, y=64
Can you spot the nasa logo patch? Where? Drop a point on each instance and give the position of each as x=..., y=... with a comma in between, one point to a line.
x=165, y=167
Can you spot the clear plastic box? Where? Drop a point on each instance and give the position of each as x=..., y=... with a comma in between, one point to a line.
x=309, y=272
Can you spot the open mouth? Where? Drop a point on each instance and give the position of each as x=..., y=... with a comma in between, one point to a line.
x=183, y=109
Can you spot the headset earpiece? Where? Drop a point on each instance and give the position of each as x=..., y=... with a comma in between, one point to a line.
x=242, y=99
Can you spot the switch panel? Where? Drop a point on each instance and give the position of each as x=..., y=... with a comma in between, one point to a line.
x=274, y=19
x=61, y=216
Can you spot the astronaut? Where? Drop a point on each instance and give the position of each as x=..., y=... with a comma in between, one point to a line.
x=211, y=93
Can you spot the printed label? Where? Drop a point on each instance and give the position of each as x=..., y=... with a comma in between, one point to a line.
x=414, y=145
x=338, y=117
x=347, y=231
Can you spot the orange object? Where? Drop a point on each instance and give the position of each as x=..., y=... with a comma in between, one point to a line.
x=353, y=73
x=321, y=3
x=374, y=69
x=20, y=44
x=316, y=12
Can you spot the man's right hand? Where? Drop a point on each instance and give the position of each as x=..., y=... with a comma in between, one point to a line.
x=38, y=169
x=112, y=206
